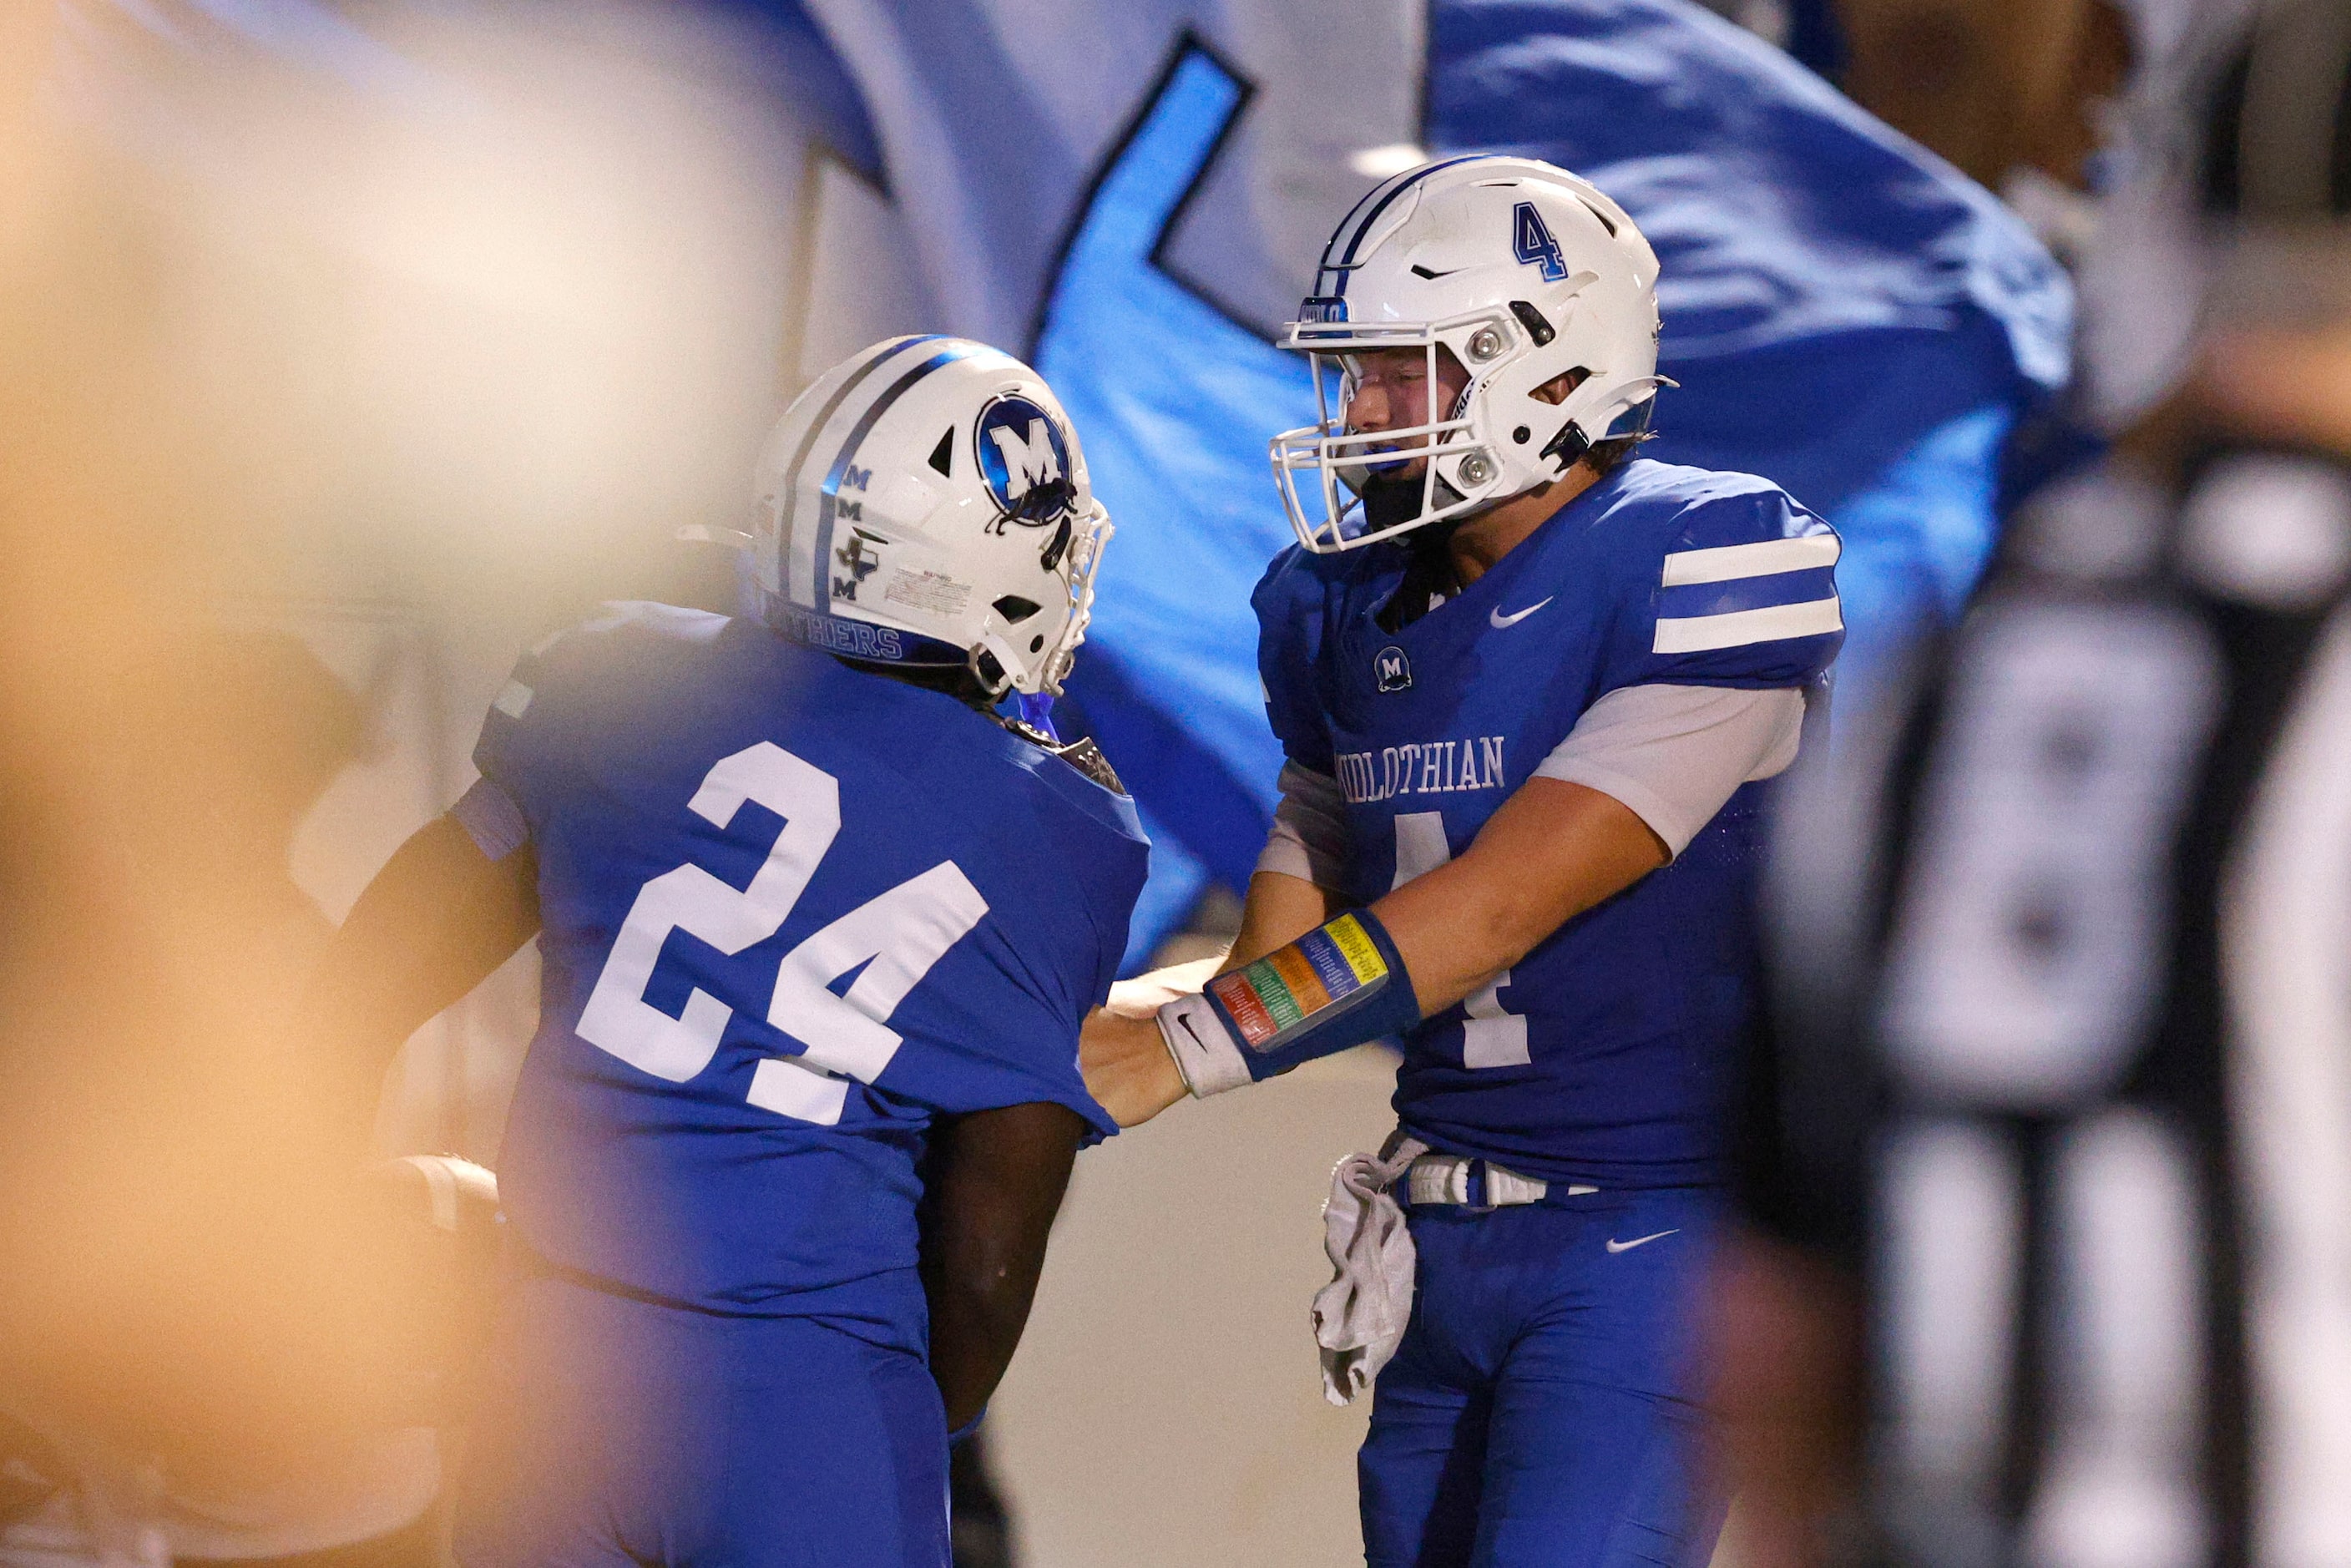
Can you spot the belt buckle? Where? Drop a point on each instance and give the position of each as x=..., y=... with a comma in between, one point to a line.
x=1474, y=1193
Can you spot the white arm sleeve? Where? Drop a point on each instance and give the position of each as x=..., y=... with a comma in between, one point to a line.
x=1675, y=754
x=1309, y=839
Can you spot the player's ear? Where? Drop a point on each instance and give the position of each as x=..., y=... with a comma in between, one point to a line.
x=1554, y=391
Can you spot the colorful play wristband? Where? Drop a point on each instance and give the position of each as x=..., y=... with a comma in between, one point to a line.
x=1337, y=986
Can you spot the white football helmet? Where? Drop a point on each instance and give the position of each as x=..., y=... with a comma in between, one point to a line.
x=924, y=505
x=1524, y=272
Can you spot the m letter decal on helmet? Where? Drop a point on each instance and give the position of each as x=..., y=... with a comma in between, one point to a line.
x=1028, y=458
x=1025, y=462
x=1531, y=237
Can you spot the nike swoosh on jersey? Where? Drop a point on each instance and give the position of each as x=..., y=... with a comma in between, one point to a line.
x=1498, y=620
x=1616, y=1246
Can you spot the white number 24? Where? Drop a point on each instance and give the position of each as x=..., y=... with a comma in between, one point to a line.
x=897, y=936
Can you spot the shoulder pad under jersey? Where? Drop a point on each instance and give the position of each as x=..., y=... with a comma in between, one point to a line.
x=1082, y=755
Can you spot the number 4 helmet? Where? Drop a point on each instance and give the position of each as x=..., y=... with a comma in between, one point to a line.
x=925, y=506
x=1525, y=273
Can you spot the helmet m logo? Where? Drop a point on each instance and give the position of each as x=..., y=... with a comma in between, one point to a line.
x=1028, y=459
x=1530, y=239
x=1391, y=670
x=1024, y=458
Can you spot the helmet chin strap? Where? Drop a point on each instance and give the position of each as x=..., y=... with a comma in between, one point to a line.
x=1390, y=503
x=1393, y=502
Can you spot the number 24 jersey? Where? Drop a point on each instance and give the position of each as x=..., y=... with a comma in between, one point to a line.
x=791, y=912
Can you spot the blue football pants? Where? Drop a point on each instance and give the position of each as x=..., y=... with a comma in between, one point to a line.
x=615, y=1432
x=1542, y=1411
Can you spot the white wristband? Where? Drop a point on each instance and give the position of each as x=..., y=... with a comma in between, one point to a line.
x=1205, y=1051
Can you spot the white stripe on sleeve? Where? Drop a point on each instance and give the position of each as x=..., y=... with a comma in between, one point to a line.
x=1768, y=559
x=1736, y=628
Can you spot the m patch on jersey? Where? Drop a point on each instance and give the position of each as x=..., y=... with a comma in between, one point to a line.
x=1391, y=670
x=1293, y=988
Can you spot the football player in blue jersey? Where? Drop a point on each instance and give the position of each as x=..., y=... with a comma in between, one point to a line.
x=818, y=930
x=1527, y=683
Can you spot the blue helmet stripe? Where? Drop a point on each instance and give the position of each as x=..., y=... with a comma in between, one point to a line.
x=848, y=453
x=808, y=443
x=1379, y=203
x=1361, y=203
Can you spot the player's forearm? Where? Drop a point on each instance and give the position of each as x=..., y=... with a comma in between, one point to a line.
x=432, y=925
x=978, y=1313
x=995, y=1182
x=1279, y=910
x=1553, y=851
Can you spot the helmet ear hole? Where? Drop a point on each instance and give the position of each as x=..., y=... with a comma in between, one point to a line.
x=1015, y=609
x=1557, y=390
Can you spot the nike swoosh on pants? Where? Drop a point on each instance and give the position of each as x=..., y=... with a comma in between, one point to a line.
x=1616, y=1246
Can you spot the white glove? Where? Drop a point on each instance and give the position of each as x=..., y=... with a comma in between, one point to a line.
x=1360, y=1316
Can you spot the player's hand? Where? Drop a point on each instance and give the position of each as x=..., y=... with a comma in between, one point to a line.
x=1146, y=994
x=1127, y=1066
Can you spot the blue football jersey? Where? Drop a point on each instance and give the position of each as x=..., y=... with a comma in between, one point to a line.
x=791, y=912
x=1603, y=1056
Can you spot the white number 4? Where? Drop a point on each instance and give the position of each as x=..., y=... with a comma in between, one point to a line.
x=897, y=936
x=1491, y=1036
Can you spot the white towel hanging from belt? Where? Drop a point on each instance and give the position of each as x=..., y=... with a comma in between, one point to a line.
x=1360, y=1316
